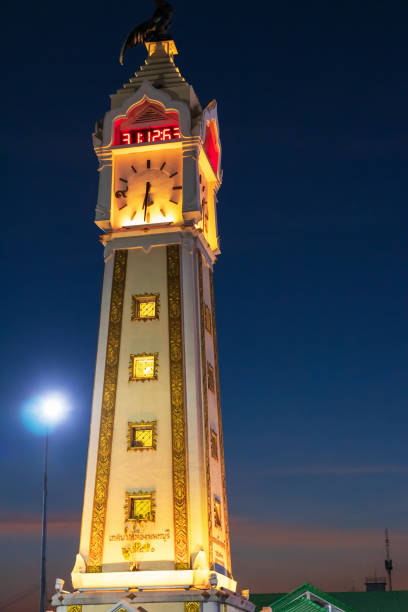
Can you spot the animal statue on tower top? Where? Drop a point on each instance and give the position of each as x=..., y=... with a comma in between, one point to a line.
x=151, y=30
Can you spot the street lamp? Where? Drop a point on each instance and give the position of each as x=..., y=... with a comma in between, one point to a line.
x=50, y=410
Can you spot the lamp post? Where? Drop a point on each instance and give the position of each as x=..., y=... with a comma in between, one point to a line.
x=43, y=588
x=50, y=411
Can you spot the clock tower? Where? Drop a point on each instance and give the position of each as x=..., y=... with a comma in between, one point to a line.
x=155, y=518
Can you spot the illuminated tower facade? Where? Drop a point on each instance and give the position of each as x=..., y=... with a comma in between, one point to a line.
x=155, y=517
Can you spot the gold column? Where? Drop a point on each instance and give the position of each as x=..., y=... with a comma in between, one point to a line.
x=178, y=424
x=205, y=406
x=224, y=488
x=95, y=558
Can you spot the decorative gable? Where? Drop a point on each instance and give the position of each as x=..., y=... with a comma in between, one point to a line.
x=146, y=114
x=308, y=597
x=123, y=606
x=149, y=113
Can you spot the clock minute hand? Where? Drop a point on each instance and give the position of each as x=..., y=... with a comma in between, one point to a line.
x=146, y=199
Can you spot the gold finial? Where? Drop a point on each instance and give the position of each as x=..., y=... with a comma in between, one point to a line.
x=161, y=47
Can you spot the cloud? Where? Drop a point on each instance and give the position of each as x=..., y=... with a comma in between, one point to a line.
x=267, y=535
x=337, y=470
x=31, y=526
x=278, y=556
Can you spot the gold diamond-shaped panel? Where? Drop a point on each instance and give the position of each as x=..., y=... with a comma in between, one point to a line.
x=143, y=367
x=147, y=309
x=142, y=508
x=217, y=513
x=143, y=437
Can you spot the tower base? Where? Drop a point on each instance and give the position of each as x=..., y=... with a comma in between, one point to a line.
x=144, y=580
x=157, y=600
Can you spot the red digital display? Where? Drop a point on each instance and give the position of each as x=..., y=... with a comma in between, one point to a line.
x=141, y=136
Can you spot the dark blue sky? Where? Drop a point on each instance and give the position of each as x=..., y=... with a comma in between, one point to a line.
x=311, y=285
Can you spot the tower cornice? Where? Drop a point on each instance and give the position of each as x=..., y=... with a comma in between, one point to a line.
x=146, y=239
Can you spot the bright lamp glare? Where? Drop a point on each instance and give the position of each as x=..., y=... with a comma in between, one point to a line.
x=44, y=412
x=52, y=409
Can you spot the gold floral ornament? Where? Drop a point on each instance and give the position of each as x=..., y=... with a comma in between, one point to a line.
x=143, y=366
x=201, y=268
x=145, y=307
x=140, y=506
x=178, y=423
x=107, y=414
x=132, y=551
x=222, y=464
x=142, y=435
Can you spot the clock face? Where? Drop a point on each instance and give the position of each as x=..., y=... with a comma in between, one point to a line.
x=204, y=203
x=147, y=189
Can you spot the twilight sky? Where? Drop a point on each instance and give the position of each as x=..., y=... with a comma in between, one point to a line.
x=311, y=288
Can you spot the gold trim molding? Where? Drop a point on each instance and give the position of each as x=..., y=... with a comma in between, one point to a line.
x=220, y=434
x=142, y=425
x=205, y=406
x=178, y=424
x=95, y=558
x=74, y=608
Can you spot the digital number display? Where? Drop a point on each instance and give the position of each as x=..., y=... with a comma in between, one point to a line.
x=157, y=134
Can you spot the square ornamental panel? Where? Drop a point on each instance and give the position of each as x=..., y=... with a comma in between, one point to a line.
x=145, y=307
x=217, y=512
x=214, y=445
x=140, y=506
x=142, y=435
x=210, y=377
x=143, y=367
x=207, y=318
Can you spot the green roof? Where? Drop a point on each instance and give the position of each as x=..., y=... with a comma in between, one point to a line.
x=282, y=604
x=353, y=601
x=376, y=601
x=301, y=604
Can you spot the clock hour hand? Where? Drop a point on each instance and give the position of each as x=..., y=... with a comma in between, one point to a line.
x=146, y=198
